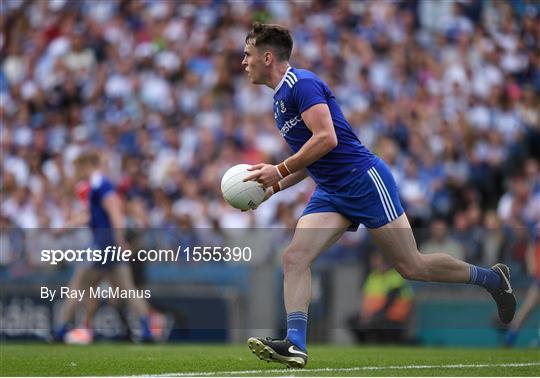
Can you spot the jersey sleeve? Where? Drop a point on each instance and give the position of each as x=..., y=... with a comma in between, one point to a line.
x=105, y=189
x=306, y=93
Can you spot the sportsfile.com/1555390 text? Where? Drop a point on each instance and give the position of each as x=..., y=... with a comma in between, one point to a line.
x=119, y=254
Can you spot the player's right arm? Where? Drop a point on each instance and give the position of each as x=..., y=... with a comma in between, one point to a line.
x=318, y=120
x=309, y=98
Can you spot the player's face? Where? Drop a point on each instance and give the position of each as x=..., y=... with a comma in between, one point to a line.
x=254, y=64
x=83, y=171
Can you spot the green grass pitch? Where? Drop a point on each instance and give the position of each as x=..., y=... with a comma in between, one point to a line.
x=104, y=359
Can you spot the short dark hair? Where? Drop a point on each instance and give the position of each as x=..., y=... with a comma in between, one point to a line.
x=90, y=156
x=274, y=36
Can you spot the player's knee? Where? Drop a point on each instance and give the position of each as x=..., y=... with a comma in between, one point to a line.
x=294, y=259
x=412, y=269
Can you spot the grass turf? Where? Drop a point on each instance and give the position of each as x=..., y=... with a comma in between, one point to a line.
x=23, y=359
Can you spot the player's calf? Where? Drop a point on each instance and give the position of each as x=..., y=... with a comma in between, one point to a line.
x=413, y=269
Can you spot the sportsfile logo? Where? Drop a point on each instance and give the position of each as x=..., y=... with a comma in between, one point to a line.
x=289, y=125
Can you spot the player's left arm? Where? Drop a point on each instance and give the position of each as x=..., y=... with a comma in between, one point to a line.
x=318, y=120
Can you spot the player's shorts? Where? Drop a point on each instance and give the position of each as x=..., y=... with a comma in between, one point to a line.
x=372, y=199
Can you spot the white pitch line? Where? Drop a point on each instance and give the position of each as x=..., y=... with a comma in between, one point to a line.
x=329, y=370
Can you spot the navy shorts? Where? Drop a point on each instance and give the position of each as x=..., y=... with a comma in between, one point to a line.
x=372, y=199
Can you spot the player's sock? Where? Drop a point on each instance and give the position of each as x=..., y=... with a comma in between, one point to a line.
x=486, y=278
x=145, y=327
x=510, y=338
x=297, y=328
x=61, y=331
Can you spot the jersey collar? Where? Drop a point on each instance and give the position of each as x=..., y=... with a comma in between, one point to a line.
x=282, y=80
x=96, y=179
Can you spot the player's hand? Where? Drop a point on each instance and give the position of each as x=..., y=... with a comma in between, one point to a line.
x=265, y=174
x=268, y=192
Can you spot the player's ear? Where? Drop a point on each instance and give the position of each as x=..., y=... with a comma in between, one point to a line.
x=268, y=57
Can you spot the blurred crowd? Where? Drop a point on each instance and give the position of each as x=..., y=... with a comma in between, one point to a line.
x=446, y=92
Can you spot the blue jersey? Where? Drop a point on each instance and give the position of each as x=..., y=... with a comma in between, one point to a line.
x=100, y=222
x=298, y=91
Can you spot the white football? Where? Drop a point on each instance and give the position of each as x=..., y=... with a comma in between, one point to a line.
x=239, y=194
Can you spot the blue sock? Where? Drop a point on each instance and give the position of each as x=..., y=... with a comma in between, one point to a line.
x=486, y=278
x=61, y=331
x=510, y=338
x=145, y=327
x=296, y=328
